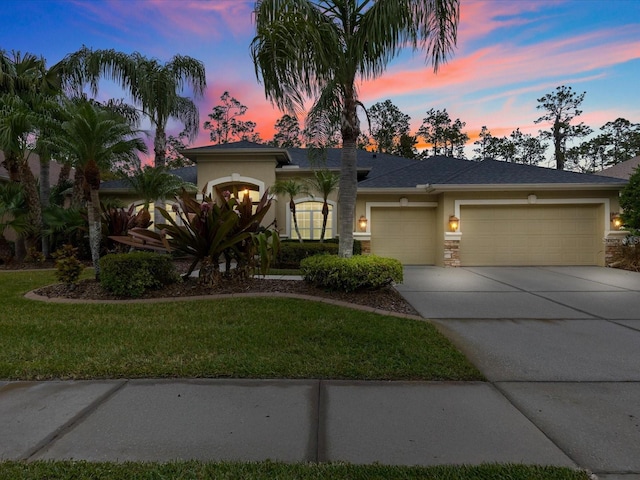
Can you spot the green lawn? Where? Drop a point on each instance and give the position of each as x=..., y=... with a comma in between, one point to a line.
x=237, y=337
x=270, y=471
x=252, y=338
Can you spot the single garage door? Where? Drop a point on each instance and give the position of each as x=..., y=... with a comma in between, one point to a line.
x=531, y=235
x=407, y=234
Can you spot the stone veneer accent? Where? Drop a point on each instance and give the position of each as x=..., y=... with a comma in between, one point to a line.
x=366, y=246
x=452, y=253
x=612, y=246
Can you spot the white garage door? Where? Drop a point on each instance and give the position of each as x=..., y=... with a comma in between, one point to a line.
x=407, y=234
x=531, y=235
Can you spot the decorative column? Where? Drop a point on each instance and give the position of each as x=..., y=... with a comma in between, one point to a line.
x=452, y=249
x=613, y=244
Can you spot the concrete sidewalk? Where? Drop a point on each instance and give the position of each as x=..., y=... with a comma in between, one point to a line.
x=403, y=423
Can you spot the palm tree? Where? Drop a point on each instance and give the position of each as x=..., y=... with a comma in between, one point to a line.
x=153, y=183
x=292, y=188
x=325, y=183
x=13, y=214
x=319, y=48
x=156, y=87
x=30, y=103
x=94, y=138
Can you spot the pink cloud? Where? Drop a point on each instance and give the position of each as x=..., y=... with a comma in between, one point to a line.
x=501, y=65
x=480, y=18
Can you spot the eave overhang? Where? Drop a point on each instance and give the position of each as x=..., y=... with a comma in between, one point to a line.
x=520, y=186
x=199, y=154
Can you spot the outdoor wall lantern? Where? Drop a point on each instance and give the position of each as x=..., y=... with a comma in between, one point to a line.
x=616, y=220
x=454, y=223
x=362, y=223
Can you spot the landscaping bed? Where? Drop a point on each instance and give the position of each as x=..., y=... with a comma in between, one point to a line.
x=387, y=299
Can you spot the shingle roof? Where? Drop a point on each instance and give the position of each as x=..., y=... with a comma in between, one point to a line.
x=621, y=170
x=381, y=170
x=452, y=171
x=496, y=172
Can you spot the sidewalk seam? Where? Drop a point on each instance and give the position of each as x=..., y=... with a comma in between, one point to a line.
x=75, y=420
x=524, y=414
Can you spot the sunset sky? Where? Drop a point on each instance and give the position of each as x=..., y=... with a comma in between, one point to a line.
x=509, y=53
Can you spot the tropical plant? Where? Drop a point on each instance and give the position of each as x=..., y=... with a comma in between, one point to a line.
x=154, y=184
x=155, y=86
x=94, y=137
x=29, y=98
x=117, y=221
x=211, y=230
x=325, y=182
x=320, y=49
x=291, y=187
x=13, y=214
x=67, y=225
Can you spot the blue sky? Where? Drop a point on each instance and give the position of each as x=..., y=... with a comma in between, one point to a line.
x=509, y=53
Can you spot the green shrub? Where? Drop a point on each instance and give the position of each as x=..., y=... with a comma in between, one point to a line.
x=291, y=253
x=131, y=274
x=68, y=267
x=357, y=244
x=348, y=274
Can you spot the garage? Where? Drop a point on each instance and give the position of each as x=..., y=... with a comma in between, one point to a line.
x=407, y=234
x=531, y=235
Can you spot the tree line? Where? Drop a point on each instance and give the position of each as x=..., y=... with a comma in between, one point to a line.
x=389, y=132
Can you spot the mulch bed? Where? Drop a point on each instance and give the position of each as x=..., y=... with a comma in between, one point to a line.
x=387, y=299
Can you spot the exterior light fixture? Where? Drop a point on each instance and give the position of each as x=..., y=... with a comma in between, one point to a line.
x=454, y=223
x=616, y=220
x=362, y=223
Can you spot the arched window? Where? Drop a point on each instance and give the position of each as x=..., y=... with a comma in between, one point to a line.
x=309, y=215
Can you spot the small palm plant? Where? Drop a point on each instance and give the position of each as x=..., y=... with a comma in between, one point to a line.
x=292, y=187
x=156, y=183
x=325, y=183
x=13, y=214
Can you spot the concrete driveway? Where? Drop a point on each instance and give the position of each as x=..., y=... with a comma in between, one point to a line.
x=561, y=343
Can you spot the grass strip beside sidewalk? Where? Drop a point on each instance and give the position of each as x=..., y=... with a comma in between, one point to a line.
x=270, y=470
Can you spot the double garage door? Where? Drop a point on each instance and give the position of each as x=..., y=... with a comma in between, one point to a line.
x=531, y=235
x=495, y=235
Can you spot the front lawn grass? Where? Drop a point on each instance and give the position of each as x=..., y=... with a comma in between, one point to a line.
x=271, y=470
x=236, y=337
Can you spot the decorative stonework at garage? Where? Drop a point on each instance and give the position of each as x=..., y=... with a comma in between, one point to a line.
x=452, y=252
x=613, y=243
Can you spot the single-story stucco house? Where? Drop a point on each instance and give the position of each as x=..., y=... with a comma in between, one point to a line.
x=439, y=211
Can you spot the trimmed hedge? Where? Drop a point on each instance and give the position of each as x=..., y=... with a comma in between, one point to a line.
x=348, y=274
x=131, y=274
x=292, y=252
